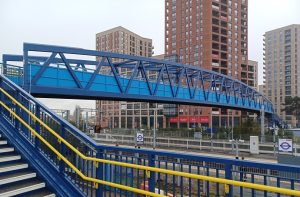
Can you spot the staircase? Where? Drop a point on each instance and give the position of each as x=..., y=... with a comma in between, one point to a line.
x=16, y=176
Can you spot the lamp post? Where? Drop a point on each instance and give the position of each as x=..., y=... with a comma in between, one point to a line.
x=211, y=132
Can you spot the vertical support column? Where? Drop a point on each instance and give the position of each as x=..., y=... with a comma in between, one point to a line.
x=26, y=82
x=151, y=179
x=228, y=175
x=262, y=124
x=99, y=173
x=4, y=71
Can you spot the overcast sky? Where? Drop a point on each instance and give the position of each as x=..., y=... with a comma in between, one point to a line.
x=75, y=23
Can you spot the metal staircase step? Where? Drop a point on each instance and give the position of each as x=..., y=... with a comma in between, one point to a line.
x=6, y=150
x=15, y=177
x=3, y=142
x=13, y=167
x=21, y=188
x=40, y=193
x=5, y=158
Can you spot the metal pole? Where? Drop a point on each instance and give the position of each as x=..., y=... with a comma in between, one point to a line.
x=262, y=124
x=211, y=133
x=86, y=121
x=236, y=149
x=232, y=125
x=154, y=129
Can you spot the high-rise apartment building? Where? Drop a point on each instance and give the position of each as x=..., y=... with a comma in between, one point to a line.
x=212, y=34
x=121, y=114
x=282, y=67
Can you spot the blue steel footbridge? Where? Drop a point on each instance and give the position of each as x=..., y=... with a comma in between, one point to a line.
x=64, y=72
x=69, y=163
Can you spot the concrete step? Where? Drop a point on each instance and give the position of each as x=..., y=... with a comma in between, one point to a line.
x=21, y=187
x=13, y=167
x=15, y=177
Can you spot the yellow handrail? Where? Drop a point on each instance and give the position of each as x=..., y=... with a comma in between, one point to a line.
x=153, y=169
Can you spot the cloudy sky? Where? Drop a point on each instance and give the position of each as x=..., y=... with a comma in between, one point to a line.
x=75, y=23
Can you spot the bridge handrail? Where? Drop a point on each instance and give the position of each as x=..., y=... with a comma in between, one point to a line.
x=146, y=168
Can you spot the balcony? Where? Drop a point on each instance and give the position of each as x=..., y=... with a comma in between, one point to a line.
x=215, y=64
x=224, y=72
x=224, y=64
x=215, y=29
x=224, y=8
x=215, y=14
x=215, y=56
x=224, y=56
x=250, y=75
x=223, y=18
x=224, y=32
x=223, y=47
x=224, y=40
x=214, y=7
x=215, y=22
x=215, y=46
x=215, y=38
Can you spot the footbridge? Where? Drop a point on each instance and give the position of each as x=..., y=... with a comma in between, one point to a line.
x=64, y=72
x=69, y=163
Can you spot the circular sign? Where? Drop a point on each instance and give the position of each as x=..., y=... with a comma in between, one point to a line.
x=140, y=137
x=285, y=145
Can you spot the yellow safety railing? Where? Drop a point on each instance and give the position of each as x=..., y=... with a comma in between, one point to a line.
x=226, y=182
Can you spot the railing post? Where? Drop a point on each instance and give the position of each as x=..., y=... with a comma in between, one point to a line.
x=25, y=116
x=1, y=94
x=228, y=175
x=62, y=148
x=99, y=173
x=151, y=179
x=17, y=123
x=37, y=124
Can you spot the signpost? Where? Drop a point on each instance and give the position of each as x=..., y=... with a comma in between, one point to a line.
x=139, y=138
x=285, y=145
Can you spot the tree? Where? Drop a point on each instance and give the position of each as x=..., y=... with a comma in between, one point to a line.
x=292, y=106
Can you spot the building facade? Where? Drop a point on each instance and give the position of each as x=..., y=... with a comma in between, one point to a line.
x=121, y=114
x=282, y=68
x=250, y=74
x=212, y=34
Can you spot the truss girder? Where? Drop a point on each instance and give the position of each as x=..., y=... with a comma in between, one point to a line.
x=146, y=78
